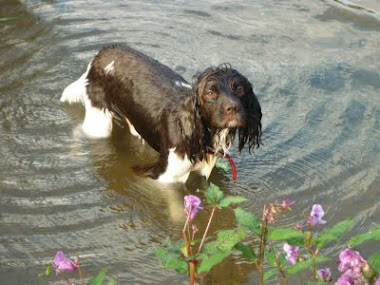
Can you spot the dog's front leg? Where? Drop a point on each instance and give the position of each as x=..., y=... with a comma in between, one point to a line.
x=153, y=171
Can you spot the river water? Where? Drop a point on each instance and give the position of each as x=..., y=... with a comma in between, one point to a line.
x=315, y=69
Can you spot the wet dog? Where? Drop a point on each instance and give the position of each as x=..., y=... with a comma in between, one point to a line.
x=186, y=124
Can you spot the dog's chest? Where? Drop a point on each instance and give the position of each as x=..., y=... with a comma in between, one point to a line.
x=178, y=168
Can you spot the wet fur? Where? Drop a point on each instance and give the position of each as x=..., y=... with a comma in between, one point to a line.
x=177, y=120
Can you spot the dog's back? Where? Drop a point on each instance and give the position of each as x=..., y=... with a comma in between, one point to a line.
x=125, y=83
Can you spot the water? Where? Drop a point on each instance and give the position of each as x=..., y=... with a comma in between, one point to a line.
x=314, y=66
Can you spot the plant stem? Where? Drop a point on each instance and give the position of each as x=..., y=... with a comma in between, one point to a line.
x=309, y=248
x=80, y=275
x=192, y=272
x=281, y=270
x=263, y=241
x=314, y=266
x=191, y=264
x=63, y=275
x=207, y=228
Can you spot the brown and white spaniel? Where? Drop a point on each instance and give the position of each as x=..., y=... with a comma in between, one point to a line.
x=186, y=124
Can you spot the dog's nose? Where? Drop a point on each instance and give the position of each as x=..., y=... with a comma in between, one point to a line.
x=231, y=108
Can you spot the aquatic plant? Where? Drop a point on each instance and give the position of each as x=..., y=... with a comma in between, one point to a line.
x=316, y=215
x=62, y=264
x=287, y=251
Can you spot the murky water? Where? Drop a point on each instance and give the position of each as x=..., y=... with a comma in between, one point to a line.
x=314, y=66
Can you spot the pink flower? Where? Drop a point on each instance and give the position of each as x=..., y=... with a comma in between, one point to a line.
x=62, y=263
x=192, y=205
x=270, y=212
x=350, y=260
x=316, y=215
x=286, y=204
x=292, y=253
x=345, y=280
x=377, y=282
x=325, y=274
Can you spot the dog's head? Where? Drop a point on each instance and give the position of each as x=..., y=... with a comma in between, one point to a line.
x=226, y=100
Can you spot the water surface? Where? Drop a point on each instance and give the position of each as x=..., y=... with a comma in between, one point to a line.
x=315, y=69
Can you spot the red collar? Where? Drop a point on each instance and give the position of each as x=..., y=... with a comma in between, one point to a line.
x=231, y=162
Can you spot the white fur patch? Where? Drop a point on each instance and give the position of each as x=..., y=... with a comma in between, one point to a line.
x=110, y=67
x=97, y=123
x=133, y=131
x=178, y=169
x=206, y=166
x=182, y=84
x=221, y=141
x=75, y=92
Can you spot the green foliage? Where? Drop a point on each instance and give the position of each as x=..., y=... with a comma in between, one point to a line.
x=333, y=233
x=227, y=239
x=216, y=251
x=7, y=19
x=98, y=279
x=291, y=236
x=227, y=201
x=271, y=256
x=215, y=197
x=111, y=282
x=171, y=258
x=221, y=246
x=48, y=270
x=268, y=274
x=209, y=260
x=374, y=261
x=248, y=220
x=247, y=251
x=222, y=165
x=308, y=264
x=372, y=234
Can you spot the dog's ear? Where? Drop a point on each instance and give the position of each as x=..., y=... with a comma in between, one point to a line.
x=251, y=131
x=193, y=134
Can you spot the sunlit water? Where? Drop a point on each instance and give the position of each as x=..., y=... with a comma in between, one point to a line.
x=315, y=69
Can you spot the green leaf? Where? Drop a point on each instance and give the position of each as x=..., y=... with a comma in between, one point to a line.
x=48, y=270
x=374, y=261
x=334, y=233
x=291, y=236
x=171, y=259
x=209, y=261
x=160, y=252
x=98, y=279
x=111, y=282
x=7, y=19
x=268, y=274
x=214, y=252
x=372, y=234
x=222, y=165
x=293, y=269
x=248, y=220
x=227, y=239
x=271, y=257
x=214, y=195
x=225, y=202
x=247, y=251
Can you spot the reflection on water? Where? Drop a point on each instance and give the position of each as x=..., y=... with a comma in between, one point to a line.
x=314, y=66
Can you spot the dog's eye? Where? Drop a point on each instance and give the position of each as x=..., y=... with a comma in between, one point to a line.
x=210, y=94
x=239, y=90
